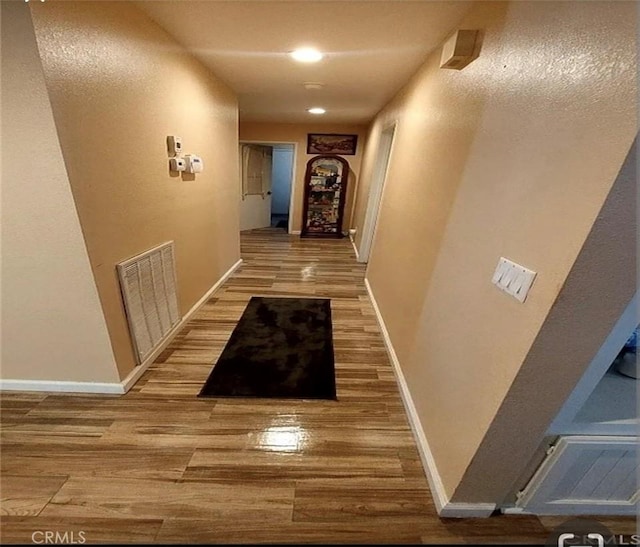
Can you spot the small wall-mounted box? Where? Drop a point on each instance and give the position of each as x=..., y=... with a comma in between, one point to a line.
x=194, y=163
x=457, y=51
x=174, y=145
x=177, y=164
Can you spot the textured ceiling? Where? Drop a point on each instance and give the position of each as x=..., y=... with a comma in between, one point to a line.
x=371, y=49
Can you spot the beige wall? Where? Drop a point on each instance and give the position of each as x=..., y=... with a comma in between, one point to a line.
x=297, y=133
x=118, y=86
x=52, y=324
x=570, y=337
x=512, y=156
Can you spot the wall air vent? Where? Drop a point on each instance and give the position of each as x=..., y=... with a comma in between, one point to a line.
x=148, y=285
x=458, y=50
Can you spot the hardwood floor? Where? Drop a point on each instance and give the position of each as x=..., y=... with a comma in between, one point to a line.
x=160, y=465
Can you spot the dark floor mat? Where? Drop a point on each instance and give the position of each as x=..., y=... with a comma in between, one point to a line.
x=280, y=348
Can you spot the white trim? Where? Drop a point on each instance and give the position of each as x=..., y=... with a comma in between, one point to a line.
x=378, y=180
x=428, y=462
x=292, y=185
x=444, y=507
x=511, y=510
x=61, y=387
x=125, y=385
x=459, y=510
x=355, y=249
x=296, y=232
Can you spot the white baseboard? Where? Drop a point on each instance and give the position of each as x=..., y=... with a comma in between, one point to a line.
x=512, y=510
x=444, y=507
x=352, y=233
x=459, y=510
x=62, y=387
x=125, y=385
x=295, y=232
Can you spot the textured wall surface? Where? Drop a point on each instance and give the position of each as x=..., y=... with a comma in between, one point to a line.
x=119, y=85
x=512, y=156
x=598, y=289
x=52, y=322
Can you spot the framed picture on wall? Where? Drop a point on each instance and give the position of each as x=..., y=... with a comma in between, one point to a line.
x=330, y=143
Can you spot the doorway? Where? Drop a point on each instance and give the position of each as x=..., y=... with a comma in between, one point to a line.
x=375, y=194
x=281, y=178
x=266, y=175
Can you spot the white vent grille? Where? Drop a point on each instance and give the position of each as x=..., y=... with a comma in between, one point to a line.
x=148, y=285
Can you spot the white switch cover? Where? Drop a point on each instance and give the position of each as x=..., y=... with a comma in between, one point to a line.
x=501, y=269
x=513, y=279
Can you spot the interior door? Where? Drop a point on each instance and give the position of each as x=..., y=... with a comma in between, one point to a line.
x=255, y=206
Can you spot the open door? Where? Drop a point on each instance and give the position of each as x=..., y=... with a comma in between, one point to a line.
x=255, y=176
x=281, y=185
x=375, y=193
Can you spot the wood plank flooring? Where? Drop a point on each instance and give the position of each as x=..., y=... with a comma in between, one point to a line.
x=160, y=465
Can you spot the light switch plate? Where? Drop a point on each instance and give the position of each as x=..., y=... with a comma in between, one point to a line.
x=513, y=279
x=501, y=269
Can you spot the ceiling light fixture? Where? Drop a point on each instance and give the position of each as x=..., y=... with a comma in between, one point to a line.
x=306, y=55
x=316, y=110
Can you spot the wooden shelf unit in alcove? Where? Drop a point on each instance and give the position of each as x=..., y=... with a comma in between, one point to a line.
x=325, y=186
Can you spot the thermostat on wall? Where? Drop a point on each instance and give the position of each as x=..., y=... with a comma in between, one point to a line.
x=174, y=145
x=194, y=164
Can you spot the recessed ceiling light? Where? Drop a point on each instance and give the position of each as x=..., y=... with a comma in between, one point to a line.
x=316, y=110
x=306, y=55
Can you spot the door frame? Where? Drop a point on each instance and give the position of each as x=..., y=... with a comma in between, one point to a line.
x=293, y=170
x=378, y=179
